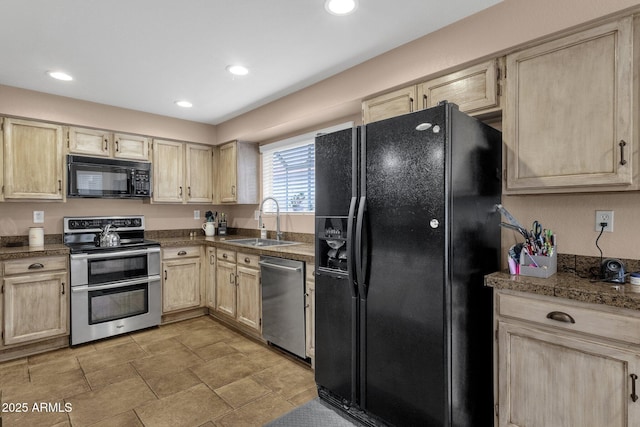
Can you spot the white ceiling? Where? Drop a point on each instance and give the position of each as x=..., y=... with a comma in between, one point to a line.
x=146, y=54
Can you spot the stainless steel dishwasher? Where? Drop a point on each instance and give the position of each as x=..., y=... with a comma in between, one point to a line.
x=283, y=318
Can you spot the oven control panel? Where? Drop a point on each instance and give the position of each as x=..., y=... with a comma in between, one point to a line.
x=92, y=223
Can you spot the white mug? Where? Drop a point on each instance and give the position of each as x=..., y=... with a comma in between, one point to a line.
x=209, y=228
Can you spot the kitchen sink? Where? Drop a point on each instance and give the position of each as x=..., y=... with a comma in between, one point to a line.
x=255, y=242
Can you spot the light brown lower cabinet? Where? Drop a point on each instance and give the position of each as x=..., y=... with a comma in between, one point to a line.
x=181, y=281
x=35, y=299
x=310, y=310
x=238, y=293
x=565, y=363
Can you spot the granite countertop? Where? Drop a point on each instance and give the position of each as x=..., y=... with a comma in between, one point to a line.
x=17, y=252
x=570, y=286
x=300, y=251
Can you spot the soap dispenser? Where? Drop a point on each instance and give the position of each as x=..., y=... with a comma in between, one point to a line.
x=263, y=232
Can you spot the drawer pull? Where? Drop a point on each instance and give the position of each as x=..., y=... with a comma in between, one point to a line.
x=182, y=253
x=634, y=396
x=560, y=317
x=247, y=260
x=224, y=256
x=36, y=266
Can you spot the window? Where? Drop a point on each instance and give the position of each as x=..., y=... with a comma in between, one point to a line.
x=288, y=172
x=289, y=177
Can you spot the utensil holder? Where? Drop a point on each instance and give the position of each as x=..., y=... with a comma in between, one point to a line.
x=547, y=265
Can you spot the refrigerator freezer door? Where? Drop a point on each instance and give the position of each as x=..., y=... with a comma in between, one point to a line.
x=402, y=357
x=336, y=309
x=334, y=172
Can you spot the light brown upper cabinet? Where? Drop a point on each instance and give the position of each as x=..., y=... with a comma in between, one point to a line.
x=182, y=172
x=391, y=104
x=238, y=173
x=476, y=91
x=569, y=115
x=95, y=142
x=33, y=160
x=1, y=160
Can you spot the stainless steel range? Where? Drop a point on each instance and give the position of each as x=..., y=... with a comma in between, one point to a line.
x=115, y=277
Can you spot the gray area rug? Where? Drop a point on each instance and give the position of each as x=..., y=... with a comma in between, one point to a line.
x=315, y=413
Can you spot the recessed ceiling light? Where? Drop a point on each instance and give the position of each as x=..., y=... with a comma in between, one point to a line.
x=340, y=7
x=184, y=104
x=238, y=70
x=59, y=75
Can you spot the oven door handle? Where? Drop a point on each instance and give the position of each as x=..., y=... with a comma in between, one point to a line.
x=117, y=254
x=115, y=285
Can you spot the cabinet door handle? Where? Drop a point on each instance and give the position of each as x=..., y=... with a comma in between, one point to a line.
x=36, y=266
x=106, y=144
x=117, y=147
x=182, y=253
x=560, y=317
x=59, y=185
x=189, y=191
x=622, y=145
x=181, y=191
x=231, y=279
x=62, y=286
x=233, y=190
x=634, y=396
x=211, y=260
x=424, y=102
x=410, y=105
x=165, y=275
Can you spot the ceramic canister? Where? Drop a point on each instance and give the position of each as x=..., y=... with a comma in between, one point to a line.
x=209, y=228
x=36, y=237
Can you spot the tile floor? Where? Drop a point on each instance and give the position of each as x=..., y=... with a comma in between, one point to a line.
x=191, y=373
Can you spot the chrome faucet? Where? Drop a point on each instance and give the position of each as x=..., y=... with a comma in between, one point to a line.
x=278, y=232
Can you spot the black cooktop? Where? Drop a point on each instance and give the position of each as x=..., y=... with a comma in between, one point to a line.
x=88, y=247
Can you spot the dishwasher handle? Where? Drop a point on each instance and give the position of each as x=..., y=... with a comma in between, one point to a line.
x=278, y=267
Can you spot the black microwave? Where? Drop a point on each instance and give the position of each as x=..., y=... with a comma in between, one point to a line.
x=109, y=178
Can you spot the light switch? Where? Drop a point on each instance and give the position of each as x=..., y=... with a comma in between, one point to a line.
x=196, y=214
x=38, y=217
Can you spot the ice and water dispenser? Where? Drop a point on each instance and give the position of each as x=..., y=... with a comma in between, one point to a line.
x=332, y=244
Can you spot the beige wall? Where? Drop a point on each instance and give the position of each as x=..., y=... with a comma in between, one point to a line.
x=36, y=105
x=494, y=31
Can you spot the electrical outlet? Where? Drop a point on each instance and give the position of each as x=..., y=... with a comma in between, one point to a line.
x=38, y=217
x=196, y=214
x=604, y=216
x=256, y=215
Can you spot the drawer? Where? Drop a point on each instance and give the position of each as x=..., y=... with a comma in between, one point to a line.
x=181, y=252
x=35, y=265
x=566, y=315
x=248, y=260
x=226, y=255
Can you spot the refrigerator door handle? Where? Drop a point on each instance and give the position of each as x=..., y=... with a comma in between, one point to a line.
x=358, y=249
x=350, y=260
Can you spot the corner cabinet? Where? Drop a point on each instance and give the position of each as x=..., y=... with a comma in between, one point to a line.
x=35, y=299
x=34, y=163
x=238, y=173
x=570, y=113
x=565, y=363
x=182, y=172
x=476, y=90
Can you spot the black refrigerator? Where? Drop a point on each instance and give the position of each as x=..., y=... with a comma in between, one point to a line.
x=406, y=229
